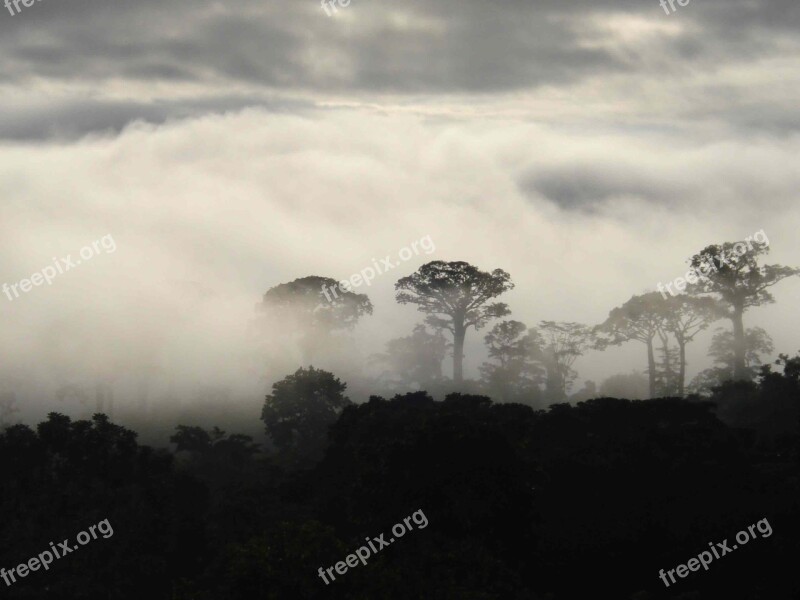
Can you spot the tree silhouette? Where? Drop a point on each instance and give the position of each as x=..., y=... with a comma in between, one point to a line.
x=668, y=367
x=504, y=487
x=8, y=401
x=640, y=318
x=215, y=455
x=414, y=360
x=782, y=388
x=513, y=375
x=299, y=411
x=301, y=308
x=767, y=406
x=557, y=345
x=758, y=343
x=732, y=273
x=685, y=317
x=456, y=296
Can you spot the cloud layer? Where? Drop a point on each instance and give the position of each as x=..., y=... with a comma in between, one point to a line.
x=210, y=212
x=588, y=148
x=81, y=66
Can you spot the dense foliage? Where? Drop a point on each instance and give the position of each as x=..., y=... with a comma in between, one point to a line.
x=575, y=502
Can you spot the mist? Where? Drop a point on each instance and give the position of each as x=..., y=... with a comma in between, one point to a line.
x=206, y=221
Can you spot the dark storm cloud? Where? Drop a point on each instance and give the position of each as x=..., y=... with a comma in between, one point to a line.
x=378, y=46
x=447, y=46
x=586, y=187
x=282, y=44
x=72, y=120
x=751, y=118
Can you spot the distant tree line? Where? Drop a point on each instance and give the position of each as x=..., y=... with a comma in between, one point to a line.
x=536, y=365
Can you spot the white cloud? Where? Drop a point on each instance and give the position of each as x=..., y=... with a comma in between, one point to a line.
x=235, y=204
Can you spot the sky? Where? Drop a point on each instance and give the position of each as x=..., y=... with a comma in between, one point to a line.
x=589, y=148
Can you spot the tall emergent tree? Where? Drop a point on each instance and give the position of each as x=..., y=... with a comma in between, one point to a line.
x=644, y=317
x=640, y=318
x=732, y=274
x=300, y=308
x=667, y=368
x=455, y=296
x=685, y=317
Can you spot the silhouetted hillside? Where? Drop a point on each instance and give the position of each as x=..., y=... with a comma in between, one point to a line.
x=591, y=500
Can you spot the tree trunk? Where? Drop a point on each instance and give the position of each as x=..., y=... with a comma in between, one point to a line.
x=459, y=332
x=551, y=388
x=669, y=379
x=739, y=369
x=562, y=383
x=651, y=367
x=682, y=372
x=554, y=390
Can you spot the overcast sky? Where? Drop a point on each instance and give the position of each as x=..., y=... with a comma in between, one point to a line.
x=586, y=147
